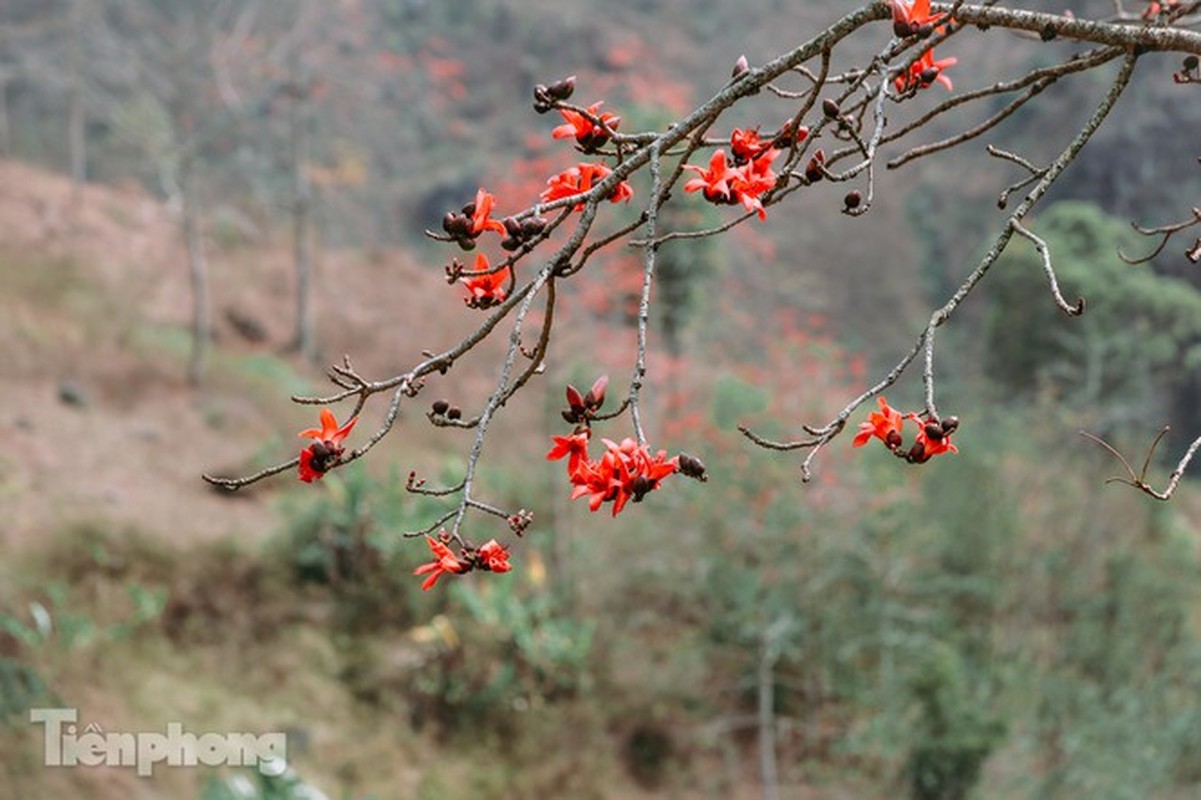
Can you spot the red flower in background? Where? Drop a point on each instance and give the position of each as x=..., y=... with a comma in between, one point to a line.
x=326, y=449
x=884, y=425
x=587, y=134
x=444, y=562
x=485, y=288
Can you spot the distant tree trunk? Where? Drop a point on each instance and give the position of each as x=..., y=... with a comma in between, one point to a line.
x=768, y=772
x=77, y=120
x=302, y=217
x=198, y=272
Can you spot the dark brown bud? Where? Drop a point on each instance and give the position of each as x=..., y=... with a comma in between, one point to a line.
x=692, y=467
x=448, y=221
x=570, y=416
x=852, y=200
x=561, y=90
x=510, y=244
x=319, y=450
x=950, y=425
x=902, y=29
x=934, y=431
x=512, y=227
x=813, y=170
x=466, y=243
x=929, y=74
x=893, y=440
x=1048, y=32
x=830, y=108
x=640, y=486
x=916, y=454
x=469, y=210
x=532, y=226
x=454, y=412
x=1190, y=63
x=439, y=407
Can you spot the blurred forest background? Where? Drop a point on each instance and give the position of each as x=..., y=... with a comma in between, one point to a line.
x=1000, y=624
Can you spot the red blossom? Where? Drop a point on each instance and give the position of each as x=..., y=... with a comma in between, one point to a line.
x=884, y=424
x=588, y=134
x=626, y=471
x=574, y=447
x=722, y=183
x=494, y=557
x=485, y=288
x=480, y=219
x=580, y=179
x=925, y=71
x=326, y=449
x=746, y=145
x=714, y=182
x=933, y=440
x=444, y=562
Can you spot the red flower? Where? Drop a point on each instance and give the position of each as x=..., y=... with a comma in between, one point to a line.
x=485, y=288
x=588, y=135
x=933, y=440
x=580, y=179
x=480, y=219
x=494, y=556
x=626, y=471
x=444, y=562
x=575, y=447
x=907, y=18
x=746, y=145
x=326, y=449
x=924, y=72
x=714, y=182
x=884, y=424
x=724, y=184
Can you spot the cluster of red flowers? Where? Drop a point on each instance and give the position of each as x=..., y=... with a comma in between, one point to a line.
x=625, y=471
x=724, y=184
x=933, y=435
x=916, y=19
x=591, y=130
x=490, y=556
x=326, y=450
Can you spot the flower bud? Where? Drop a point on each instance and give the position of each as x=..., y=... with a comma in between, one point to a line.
x=561, y=90
x=928, y=75
x=439, y=407
x=852, y=200
x=740, y=66
x=532, y=226
x=1190, y=63
x=510, y=244
x=893, y=440
x=934, y=431
x=830, y=108
x=949, y=425
x=454, y=412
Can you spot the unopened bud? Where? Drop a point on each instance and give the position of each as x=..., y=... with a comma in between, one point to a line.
x=532, y=226
x=740, y=66
x=949, y=425
x=448, y=221
x=1190, y=63
x=439, y=407
x=830, y=108
x=893, y=440
x=510, y=244
x=852, y=200
x=934, y=431
x=561, y=90
x=928, y=75
x=454, y=412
